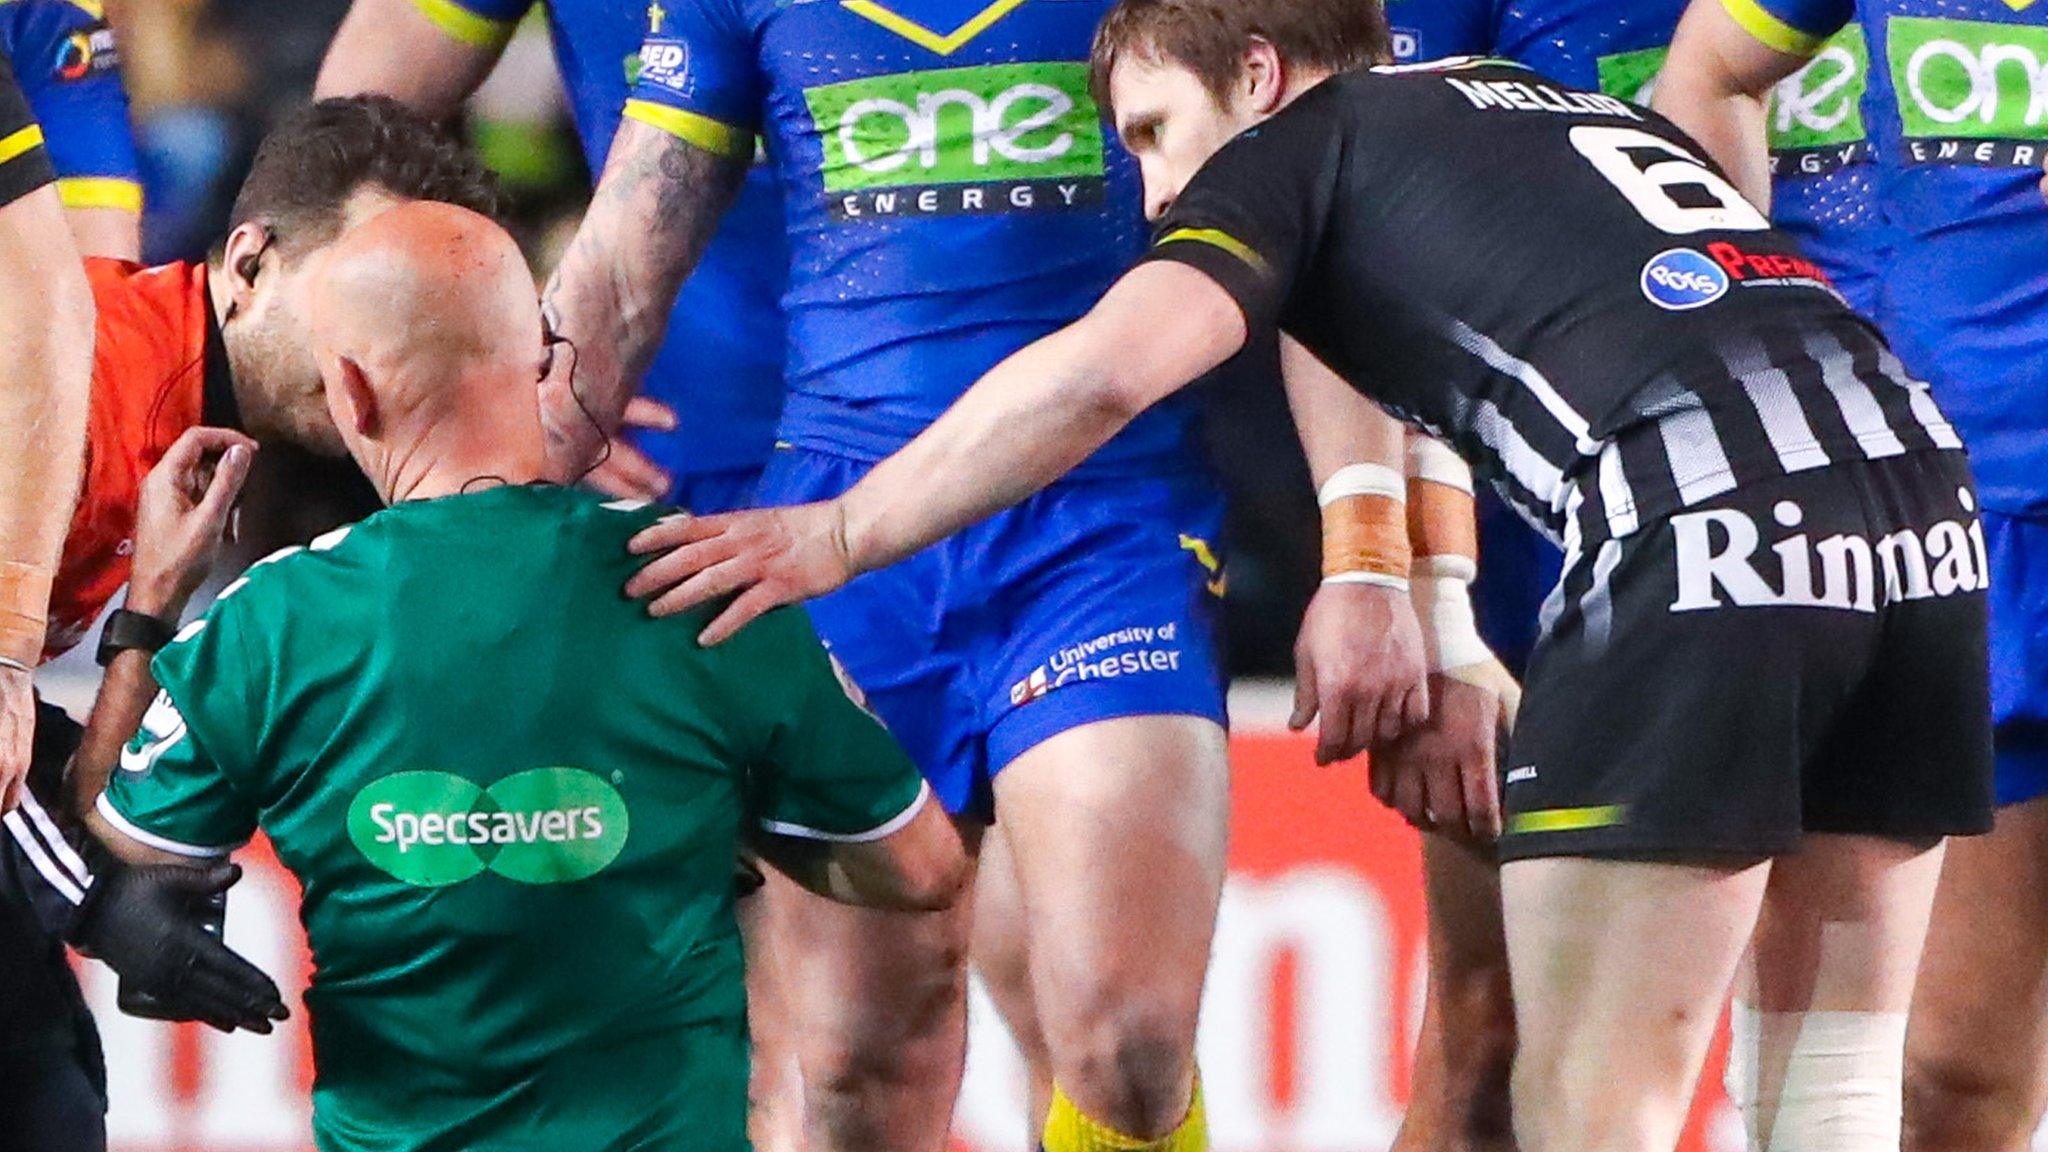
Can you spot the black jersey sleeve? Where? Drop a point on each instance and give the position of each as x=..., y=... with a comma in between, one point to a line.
x=1255, y=214
x=24, y=164
x=46, y=862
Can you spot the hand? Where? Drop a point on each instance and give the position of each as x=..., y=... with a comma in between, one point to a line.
x=1359, y=662
x=17, y=734
x=626, y=471
x=187, y=505
x=145, y=923
x=1443, y=776
x=772, y=557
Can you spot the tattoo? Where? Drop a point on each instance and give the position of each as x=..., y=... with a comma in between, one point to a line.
x=654, y=211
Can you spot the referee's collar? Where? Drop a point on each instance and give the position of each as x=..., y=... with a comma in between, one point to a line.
x=217, y=405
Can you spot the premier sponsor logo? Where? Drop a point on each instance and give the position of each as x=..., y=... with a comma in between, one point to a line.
x=542, y=826
x=1719, y=553
x=1971, y=92
x=1680, y=279
x=962, y=141
x=1768, y=269
x=1130, y=651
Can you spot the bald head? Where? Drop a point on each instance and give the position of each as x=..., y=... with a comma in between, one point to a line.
x=428, y=334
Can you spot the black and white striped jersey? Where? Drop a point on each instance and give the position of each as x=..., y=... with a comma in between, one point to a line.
x=1555, y=281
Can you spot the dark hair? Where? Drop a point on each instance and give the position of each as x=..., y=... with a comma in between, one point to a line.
x=308, y=167
x=1208, y=37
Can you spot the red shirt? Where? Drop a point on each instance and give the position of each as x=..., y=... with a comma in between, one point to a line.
x=156, y=363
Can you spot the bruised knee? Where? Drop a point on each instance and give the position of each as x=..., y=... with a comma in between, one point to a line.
x=1130, y=1067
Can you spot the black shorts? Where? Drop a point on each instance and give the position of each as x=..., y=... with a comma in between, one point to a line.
x=1802, y=654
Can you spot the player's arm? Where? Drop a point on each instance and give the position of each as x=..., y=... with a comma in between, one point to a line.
x=1023, y=425
x=675, y=167
x=1224, y=265
x=1358, y=661
x=429, y=55
x=46, y=326
x=842, y=810
x=1725, y=58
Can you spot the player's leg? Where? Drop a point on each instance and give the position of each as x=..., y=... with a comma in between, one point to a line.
x=1977, y=1048
x=775, y=1095
x=1975, y=1077
x=879, y=1001
x=879, y=998
x=1612, y=957
x=1002, y=958
x=1819, y=1025
x=1458, y=1095
x=1118, y=831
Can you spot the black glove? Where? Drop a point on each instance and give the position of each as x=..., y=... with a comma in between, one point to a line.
x=147, y=924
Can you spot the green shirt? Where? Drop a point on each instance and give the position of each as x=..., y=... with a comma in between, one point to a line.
x=513, y=800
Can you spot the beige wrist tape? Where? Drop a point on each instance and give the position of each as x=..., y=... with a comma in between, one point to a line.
x=24, y=611
x=1365, y=527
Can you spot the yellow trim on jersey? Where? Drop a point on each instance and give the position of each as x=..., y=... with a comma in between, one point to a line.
x=1217, y=238
x=924, y=37
x=100, y=192
x=19, y=141
x=464, y=25
x=92, y=8
x=1567, y=819
x=711, y=135
x=1770, y=31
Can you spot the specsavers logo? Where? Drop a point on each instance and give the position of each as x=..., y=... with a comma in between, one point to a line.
x=1971, y=92
x=544, y=826
x=1816, y=114
x=961, y=141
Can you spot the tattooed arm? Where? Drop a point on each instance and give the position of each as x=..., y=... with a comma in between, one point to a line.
x=655, y=209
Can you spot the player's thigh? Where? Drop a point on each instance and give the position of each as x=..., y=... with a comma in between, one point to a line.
x=1618, y=956
x=1842, y=925
x=1002, y=959
x=1980, y=1009
x=1117, y=830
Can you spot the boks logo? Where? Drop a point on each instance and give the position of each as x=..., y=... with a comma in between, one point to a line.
x=1716, y=550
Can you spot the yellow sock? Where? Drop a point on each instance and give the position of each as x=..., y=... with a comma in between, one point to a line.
x=1068, y=1129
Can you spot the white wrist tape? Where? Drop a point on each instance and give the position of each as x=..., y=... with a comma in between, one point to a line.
x=1375, y=579
x=1450, y=633
x=1432, y=460
x=1817, y=1081
x=1363, y=480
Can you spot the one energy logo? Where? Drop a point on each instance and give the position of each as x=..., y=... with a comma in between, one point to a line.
x=1971, y=92
x=1816, y=114
x=960, y=141
x=543, y=826
x=1680, y=279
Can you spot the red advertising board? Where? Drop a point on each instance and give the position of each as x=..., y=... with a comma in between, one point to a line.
x=1314, y=992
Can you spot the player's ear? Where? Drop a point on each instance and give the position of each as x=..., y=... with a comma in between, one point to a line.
x=1262, y=79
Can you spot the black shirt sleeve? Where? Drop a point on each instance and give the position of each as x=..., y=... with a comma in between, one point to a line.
x=24, y=165
x=46, y=862
x=1253, y=218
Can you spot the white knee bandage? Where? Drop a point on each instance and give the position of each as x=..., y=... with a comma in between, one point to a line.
x=1817, y=1081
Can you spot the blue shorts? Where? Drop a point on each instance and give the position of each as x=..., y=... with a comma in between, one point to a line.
x=2019, y=653
x=1093, y=600
x=710, y=493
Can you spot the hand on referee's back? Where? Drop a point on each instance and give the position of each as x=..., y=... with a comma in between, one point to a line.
x=762, y=559
x=147, y=923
